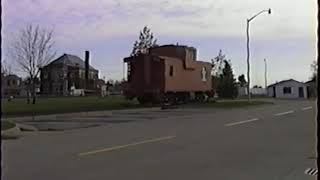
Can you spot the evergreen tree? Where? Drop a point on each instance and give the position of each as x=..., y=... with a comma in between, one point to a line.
x=146, y=41
x=227, y=84
x=242, y=80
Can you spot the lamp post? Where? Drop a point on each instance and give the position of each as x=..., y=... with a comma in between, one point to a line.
x=265, y=73
x=248, y=50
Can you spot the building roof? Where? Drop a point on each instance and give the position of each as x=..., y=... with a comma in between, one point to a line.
x=177, y=59
x=71, y=60
x=169, y=58
x=130, y=58
x=271, y=85
x=311, y=81
x=12, y=76
x=173, y=45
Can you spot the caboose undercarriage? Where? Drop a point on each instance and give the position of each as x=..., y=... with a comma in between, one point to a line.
x=171, y=97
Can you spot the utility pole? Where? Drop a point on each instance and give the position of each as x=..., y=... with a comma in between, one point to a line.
x=248, y=62
x=248, y=50
x=265, y=73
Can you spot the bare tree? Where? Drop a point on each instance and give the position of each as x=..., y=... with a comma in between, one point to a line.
x=32, y=50
x=314, y=69
x=218, y=64
x=146, y=41
x=5, y=68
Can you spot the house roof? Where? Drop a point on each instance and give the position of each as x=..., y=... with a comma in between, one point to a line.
x=271, y=85
x=71, y=60
x=310, y=81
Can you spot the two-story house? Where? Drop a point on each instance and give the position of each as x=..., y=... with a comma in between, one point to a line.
x=68, y=71
x=12, y=85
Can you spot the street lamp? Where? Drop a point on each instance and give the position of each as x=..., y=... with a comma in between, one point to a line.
x=248, y=51
x=265, y=73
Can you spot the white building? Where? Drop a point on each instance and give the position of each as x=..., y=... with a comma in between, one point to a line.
x=242, y=91
x=258, y=91
x=287, y=89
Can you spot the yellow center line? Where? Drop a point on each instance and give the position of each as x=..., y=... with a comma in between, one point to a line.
x=125, y=146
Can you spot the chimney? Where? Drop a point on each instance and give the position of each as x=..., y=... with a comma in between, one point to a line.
x=194, y=54
x=86, y=67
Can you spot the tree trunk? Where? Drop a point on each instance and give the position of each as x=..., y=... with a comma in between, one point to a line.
x=34, y=99
x=29, y=93
x=28, y=97
x=33, y=90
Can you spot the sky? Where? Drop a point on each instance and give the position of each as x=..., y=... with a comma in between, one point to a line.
x=108, y=28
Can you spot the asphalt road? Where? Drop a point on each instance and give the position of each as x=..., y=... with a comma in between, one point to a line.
x=267, y=142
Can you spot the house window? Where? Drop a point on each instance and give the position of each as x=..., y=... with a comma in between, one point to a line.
x=45, y=76
x=287, y=90
x=92, y=75
x=81, y=74
x=129, y=71
x=171, y=71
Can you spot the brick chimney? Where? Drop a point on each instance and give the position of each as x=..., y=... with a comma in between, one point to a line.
x=86, y=59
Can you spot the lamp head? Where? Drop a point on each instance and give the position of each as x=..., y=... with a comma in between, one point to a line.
x=269, y=11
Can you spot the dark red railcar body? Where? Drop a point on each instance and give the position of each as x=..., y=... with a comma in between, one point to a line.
x=167, y=69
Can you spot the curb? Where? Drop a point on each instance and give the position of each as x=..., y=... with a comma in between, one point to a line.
x=85, y=114
x=80, y=114
x=12, y=133
x=25, y=127
x=63, y=115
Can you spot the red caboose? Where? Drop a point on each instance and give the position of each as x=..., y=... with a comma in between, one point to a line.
x=168, y=72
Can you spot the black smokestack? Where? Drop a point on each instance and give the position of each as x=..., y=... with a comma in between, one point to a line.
x=86, y=61
x=194, y=53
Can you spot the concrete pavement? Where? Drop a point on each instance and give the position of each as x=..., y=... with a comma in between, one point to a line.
x=267, y=142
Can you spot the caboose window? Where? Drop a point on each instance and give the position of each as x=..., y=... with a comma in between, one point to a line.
x=171, y=71
x=204, y=74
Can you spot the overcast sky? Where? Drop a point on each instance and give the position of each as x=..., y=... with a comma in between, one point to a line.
x=108, y=29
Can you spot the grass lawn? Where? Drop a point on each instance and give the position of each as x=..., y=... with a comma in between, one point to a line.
x=228, y=104
x=6, y=125
x=19, y=107
x=44, y=106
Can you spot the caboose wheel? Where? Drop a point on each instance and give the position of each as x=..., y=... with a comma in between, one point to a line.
x=200, y=97
x=142, y=100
